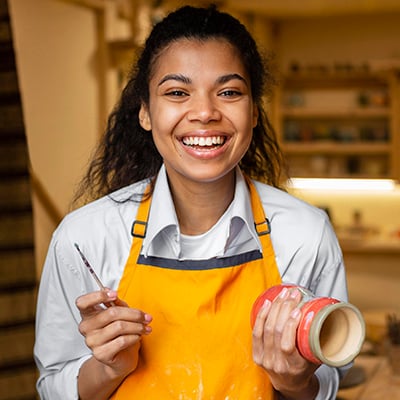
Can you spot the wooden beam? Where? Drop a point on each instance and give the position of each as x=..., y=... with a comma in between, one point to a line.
x=314, y=8
x=102, y=66
x=48, y=203
x=99, y=9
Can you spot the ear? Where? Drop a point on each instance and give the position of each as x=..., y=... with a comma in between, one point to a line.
x=144, y=118
x=255, y=116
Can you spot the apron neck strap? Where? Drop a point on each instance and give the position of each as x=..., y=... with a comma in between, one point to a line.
x=261, y=222
x=139, y=226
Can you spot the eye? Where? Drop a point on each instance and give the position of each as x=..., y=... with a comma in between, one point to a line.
x=230, y=93
x=176, y=93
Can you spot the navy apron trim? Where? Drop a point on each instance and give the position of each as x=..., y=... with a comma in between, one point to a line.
x=200, y=265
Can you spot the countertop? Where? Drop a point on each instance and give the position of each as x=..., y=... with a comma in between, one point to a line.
x=380, y=383
x=370, y=246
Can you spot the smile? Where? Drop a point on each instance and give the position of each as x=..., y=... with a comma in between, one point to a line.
x=203, y=141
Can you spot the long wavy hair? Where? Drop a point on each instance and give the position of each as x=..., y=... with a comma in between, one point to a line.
x=127, y=153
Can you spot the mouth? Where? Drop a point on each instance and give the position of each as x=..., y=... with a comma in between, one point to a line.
x=208, y=142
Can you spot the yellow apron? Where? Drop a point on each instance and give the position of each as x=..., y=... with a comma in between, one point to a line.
x=200, y=347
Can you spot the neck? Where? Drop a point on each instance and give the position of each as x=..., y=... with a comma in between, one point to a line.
x=200, y=205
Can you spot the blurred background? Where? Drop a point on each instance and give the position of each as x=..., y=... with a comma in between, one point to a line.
x=336, y=110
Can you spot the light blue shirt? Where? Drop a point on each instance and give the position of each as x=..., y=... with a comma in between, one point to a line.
x=306, y=250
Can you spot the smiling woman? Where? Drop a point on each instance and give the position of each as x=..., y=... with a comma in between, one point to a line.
x=202, y=109
x=188, y=228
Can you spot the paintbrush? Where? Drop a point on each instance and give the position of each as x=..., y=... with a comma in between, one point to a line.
x=92, y=272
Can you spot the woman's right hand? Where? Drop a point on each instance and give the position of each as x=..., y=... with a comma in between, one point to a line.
x=113, y=333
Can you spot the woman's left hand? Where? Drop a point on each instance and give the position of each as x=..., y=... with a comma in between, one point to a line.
x=274, y=347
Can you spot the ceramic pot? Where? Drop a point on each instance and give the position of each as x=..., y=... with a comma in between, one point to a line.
x=330, y=331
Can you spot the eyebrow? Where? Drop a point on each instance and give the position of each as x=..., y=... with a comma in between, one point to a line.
x=175, y=77
x=230, y=77
x=186, y=80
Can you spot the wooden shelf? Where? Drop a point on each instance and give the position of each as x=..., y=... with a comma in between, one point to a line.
x=332, y=148
x=362, y=246
x=340, y=124
x=359, y=113
x=333, y=80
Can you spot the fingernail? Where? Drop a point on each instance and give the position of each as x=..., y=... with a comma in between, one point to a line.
x=266, y=303
x=295, y=313
x=147, y=329
x=283, y=293
x=294, y=293
x=148, y=317
x=112, y=294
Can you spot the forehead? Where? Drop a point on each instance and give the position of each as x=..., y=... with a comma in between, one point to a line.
x=200, y=55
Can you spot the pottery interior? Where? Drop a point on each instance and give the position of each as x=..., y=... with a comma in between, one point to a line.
x=341, y=332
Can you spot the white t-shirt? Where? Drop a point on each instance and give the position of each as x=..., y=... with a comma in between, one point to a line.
x=306, y=250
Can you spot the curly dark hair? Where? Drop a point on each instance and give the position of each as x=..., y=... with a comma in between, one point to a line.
x=127, y=153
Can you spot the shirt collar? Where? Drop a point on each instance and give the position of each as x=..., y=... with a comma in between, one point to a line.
x=162, y=210
x=241, y=207
x=162, y=213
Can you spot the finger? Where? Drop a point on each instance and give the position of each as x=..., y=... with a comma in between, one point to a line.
x=274, y=315
x=110, y=315
x=288, y=340
x=124, y=314
x=258, y=332
x=120, y=303
x=118, y=328
x=261, y=317
x=107, y=352
x=279, y=314
x=113, y=298
x=88, y=301
x=277, y=305
x=288, y=303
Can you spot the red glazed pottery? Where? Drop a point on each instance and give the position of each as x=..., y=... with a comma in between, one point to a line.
x=329, y=332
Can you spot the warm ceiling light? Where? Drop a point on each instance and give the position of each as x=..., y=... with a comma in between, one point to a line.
x=342, y=184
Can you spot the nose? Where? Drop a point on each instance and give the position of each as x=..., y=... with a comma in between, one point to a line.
x=203, y=108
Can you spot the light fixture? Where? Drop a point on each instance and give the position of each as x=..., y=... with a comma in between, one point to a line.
x=342, y=184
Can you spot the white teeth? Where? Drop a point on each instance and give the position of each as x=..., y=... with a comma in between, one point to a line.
x=203, y=141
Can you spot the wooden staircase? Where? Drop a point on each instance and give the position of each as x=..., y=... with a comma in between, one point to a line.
x=17, y=265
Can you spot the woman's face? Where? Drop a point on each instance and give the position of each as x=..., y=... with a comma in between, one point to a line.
x=200, y=111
